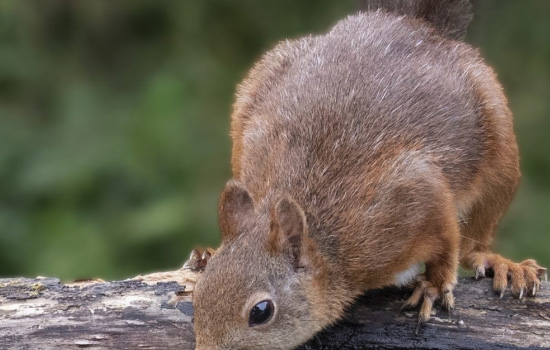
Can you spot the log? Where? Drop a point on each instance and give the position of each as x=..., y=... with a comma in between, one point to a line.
x=155, y=312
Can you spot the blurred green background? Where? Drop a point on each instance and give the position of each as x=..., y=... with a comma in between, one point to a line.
x=114, y=119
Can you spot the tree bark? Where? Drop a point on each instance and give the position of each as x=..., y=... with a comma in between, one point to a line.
x=155, y=312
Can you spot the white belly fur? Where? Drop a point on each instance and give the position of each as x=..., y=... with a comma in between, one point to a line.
x=405, y=277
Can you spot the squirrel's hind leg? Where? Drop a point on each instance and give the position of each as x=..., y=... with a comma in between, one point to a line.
x=496, y=186
x=477, y=232
x=525, y=277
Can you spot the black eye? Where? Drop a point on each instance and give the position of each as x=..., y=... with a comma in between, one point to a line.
x=261, y=313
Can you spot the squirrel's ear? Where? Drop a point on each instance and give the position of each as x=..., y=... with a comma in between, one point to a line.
x=288, y=231
x=235, y=207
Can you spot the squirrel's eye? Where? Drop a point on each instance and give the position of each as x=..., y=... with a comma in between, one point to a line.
x=261, y=313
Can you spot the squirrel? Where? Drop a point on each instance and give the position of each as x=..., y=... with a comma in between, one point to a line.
x=359, y=155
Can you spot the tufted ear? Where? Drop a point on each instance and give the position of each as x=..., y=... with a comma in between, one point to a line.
x=288, y=232
x=236, y=207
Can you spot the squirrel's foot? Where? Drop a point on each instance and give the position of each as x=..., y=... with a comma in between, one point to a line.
x=427, y=293
x=197, y=261
x=525, y=277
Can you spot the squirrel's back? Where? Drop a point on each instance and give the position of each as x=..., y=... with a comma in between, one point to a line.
x=324, y=109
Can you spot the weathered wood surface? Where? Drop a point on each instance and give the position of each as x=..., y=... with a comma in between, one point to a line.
x=45, y=314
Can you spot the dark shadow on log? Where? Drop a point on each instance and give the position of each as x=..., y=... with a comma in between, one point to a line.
x=44, y=314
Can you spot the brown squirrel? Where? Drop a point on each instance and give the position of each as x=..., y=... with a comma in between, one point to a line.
x=358, y=155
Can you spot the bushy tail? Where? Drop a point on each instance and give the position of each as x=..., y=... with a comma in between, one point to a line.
x=449, y=17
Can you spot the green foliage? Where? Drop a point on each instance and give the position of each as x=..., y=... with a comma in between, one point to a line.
x=114, y=119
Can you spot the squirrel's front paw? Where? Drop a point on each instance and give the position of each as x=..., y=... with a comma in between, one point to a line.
x=197, y=261
x=427, y=293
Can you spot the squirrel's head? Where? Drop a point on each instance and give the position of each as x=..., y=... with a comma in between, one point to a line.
x=261, y=290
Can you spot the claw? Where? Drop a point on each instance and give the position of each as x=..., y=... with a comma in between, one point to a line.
x=195, y=254
x=480, y=272
x=418, y=327
x=502, y=293
x=520, y=294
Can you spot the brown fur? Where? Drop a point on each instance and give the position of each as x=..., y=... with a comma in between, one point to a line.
x=356, y=155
